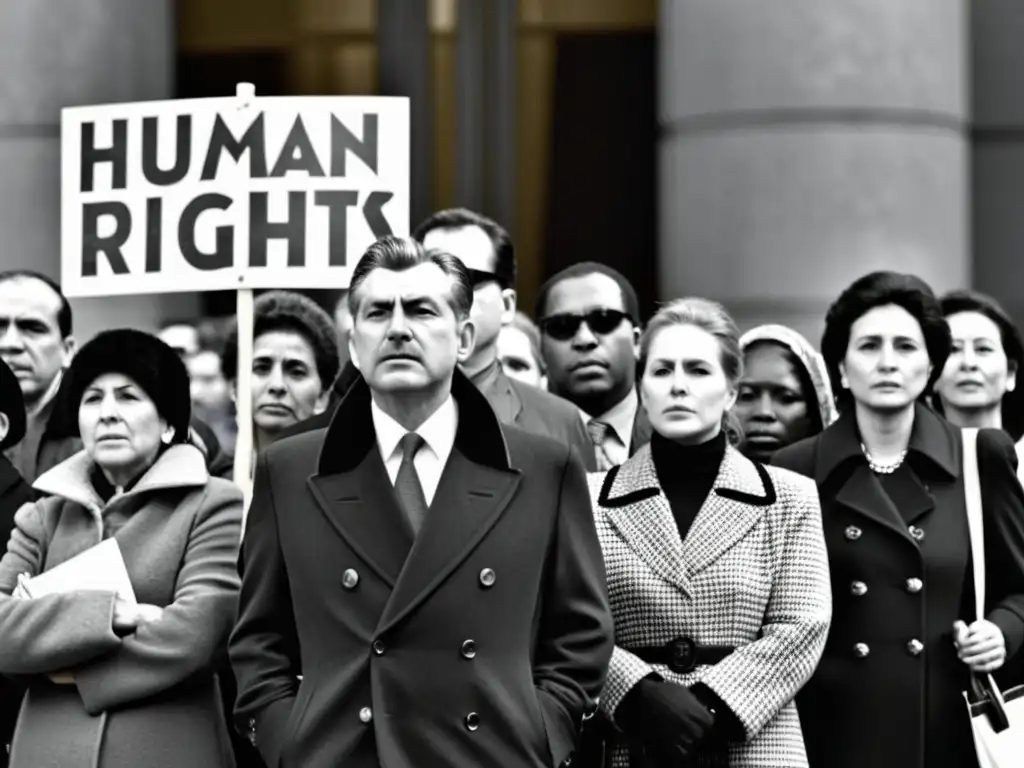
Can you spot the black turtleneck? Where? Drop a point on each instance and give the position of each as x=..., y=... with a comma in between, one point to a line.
x=686, y=474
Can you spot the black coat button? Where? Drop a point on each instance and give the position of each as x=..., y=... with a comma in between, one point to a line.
x=916, y=533
x=487, y=578
x=914, y=586
x=472, y=721
x=858, y=588
x=852, y=533
x=861, y=650
x=350, y=578
x=469, y=649
x=379, y=647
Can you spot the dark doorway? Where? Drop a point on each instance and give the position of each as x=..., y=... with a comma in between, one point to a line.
x=602, y=182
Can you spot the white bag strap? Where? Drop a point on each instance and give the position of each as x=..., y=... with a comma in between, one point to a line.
x=975, y=521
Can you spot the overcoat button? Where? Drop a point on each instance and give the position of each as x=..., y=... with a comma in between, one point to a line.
x=349, y=578
x=916, y=533
x=366, y=714
x=861, y=650
x=378, y=647
x=487, y=578
x=472, y=721
x=858, y=588
x=852, y=533
x=469, y=649
x=914, y=586
x=915, y=647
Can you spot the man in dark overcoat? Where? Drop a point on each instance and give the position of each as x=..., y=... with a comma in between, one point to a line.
x=14, y=492
x=433, y=576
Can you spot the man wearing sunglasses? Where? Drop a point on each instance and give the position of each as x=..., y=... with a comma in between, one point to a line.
x=486, y=250
x=588, y=316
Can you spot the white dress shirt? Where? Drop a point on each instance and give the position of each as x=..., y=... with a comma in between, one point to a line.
x=438, y=432
x=620, y=418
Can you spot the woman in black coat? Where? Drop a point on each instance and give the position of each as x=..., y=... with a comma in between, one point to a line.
x=888, y=690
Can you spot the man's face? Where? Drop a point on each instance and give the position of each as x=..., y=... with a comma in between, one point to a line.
x=405, y=334
x=30, y=338
x=209, y=388
x=588, y=343
x=517, y=357
x=493, y=306
x=183, y=339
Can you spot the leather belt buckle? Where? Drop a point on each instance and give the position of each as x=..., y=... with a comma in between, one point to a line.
x=682, y=655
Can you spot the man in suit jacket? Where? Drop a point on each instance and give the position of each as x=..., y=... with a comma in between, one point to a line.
x=487, y=251
x=589, y=319
x=434, y=577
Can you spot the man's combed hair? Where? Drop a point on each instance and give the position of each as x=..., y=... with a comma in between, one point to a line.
x=64, y=318
x=458, y=218
x=879, y=289
x=398, y=254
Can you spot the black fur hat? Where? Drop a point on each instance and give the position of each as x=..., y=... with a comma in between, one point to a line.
x=13, y=405
x=147, y=361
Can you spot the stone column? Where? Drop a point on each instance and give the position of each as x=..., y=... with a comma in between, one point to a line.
x=807, y=144
x=62, y=53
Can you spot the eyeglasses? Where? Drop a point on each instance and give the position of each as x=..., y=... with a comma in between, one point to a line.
x=565, y=326
x=478, y=277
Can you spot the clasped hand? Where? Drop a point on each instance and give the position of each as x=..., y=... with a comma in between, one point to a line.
x=981, y=646
x=669, y=720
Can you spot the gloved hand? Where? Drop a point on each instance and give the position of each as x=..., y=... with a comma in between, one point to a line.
x=667, y=718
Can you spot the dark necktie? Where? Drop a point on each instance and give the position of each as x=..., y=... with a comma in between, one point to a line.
x=407, y=483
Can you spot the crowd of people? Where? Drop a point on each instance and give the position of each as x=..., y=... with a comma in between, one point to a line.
x=588, y=538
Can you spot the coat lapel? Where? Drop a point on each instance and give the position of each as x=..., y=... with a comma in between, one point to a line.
x=362, y=507
x=469, y=501
x=863, y=493
x=741, y=493
x=634, y=504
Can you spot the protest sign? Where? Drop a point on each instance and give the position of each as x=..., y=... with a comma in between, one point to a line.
x=215, y=194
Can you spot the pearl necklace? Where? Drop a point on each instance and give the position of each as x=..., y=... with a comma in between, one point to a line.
x=886, y=468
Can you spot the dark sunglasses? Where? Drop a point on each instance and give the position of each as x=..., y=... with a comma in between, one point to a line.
x=563, y=327
x=478, y=277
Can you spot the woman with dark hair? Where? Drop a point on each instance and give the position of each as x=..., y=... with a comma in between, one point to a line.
x=295, y=361
x=978, y=386
x=784, y=395
x=114, y=682
x=716, y=568
x=904, y=641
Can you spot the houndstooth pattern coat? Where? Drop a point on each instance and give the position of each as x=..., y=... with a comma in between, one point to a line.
x=752, y=573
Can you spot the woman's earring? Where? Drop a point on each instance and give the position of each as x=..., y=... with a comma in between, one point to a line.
x=844, y=382
x=167, y=437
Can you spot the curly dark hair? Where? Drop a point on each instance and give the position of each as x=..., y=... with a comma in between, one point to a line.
x=878, y=289
x=290, y=311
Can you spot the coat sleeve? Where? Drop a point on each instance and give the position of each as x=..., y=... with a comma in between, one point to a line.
x=1003, y=509
x=575, y=634
x=758, y=679
x=264, y=647
x=192, y=632
x=54, y=632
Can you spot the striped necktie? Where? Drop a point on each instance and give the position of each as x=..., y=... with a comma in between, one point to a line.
x=598, y=435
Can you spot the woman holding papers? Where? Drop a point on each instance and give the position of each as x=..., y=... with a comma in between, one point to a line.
x=118, y=591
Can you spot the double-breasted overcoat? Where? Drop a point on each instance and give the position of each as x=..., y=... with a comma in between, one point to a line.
x=483, y=641
x=888, y=690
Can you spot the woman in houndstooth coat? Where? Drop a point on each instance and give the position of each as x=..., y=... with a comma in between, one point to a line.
x=717, y=569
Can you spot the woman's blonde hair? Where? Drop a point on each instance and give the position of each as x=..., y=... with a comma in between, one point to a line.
x=712, y=317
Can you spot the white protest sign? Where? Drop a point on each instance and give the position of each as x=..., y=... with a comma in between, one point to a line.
x=227, y=194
